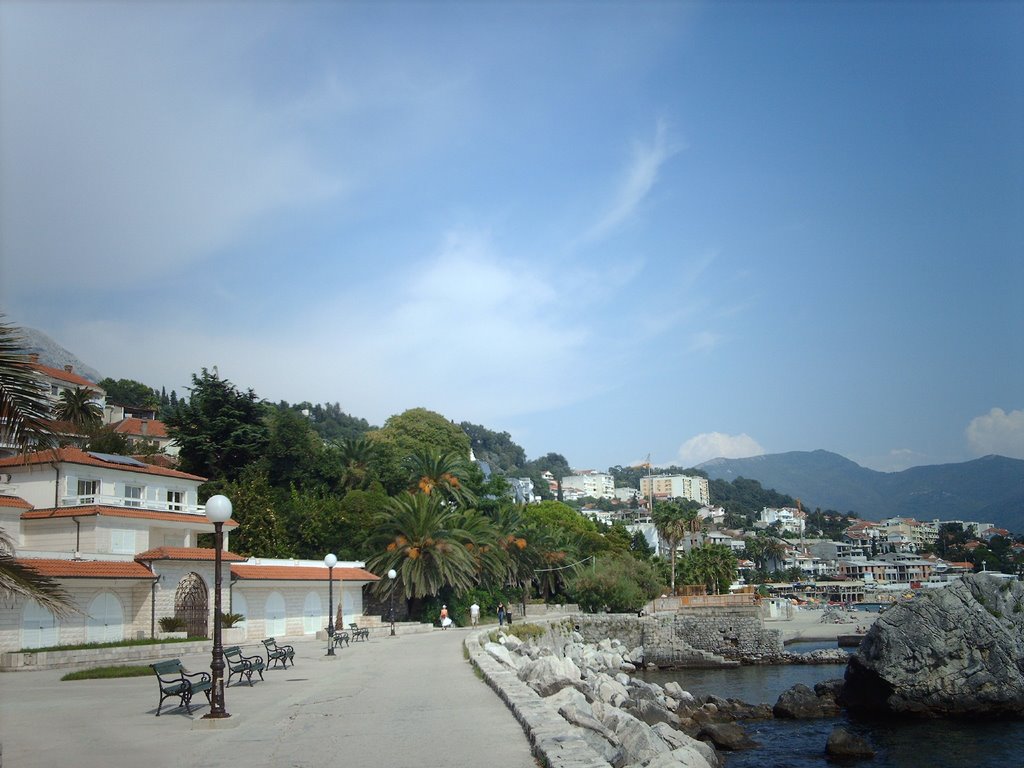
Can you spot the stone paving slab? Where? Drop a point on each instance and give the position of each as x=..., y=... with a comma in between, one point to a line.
x=405, y=702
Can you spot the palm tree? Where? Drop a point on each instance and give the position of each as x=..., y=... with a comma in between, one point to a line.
x=444, y=473
x=356, y=454
x=20, y=581
x=24, y=407
x=713, y=565
x=23, y=423
x=78, y=407
x=672, y=525
x=418, y=537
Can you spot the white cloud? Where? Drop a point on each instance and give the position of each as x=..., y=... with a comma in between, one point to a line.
x=997, y=432
x=713, y=445
x=639, y=179
x=463, y=331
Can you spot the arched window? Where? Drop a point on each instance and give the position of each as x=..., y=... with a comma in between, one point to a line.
x=274, y=615
x=39, y=628
x=313, y=619
x=106, y=619
x=240, y=605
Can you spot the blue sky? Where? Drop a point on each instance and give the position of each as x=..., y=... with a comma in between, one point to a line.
x=611, y=229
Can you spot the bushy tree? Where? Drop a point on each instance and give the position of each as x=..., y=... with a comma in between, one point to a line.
x=617, y=584
x=219, y=429
x=130, y=393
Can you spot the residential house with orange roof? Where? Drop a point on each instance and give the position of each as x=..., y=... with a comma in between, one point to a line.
x=121, y=537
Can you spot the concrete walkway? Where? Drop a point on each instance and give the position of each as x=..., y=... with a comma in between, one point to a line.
x=402, y=702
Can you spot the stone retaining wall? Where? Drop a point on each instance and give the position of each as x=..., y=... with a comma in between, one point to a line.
x=686, y=638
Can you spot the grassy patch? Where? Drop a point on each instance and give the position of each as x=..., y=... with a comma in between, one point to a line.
x=119, y=644
x=103, y=673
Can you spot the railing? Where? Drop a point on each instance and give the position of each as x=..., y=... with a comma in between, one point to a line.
x=121, y=501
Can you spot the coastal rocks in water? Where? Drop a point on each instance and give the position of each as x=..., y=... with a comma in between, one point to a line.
x=803, y=703
x=728, y=736
x=954, y=651
x=844, y=745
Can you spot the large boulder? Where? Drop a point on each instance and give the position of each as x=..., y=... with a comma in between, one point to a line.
x=802, y=703
x=550, y=674
x=844, y=745
x=955, y=651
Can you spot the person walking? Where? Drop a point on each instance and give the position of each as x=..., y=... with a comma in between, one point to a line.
x=445, y=621
x=508, y=614
x=474, y=614
x=501, y=614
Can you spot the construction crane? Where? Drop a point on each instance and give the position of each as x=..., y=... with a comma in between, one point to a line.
x=647, y=463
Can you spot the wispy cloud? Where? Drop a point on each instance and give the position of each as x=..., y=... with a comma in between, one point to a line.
x=639, y=179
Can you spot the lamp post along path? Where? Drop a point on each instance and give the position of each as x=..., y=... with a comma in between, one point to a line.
x=391, y=611
x=218, y=512
x=330, y=561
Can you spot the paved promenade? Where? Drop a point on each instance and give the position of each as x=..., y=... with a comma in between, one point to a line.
x=405, y=702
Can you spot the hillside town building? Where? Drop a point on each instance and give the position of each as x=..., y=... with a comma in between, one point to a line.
x=664, y=487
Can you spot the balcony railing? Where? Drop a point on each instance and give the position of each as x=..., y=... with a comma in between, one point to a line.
x=121, y=501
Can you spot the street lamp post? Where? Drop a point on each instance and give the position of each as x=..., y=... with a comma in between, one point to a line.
x=218, y=512
x=330, y=561
x=391, y=611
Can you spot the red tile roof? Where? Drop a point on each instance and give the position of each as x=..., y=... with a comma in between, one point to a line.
x=132, y=426
x=187, y=553
x=110, y=511
x=299, y=573
x=14, y=501
x=78, y=456
x=69, y=376
x=87, y=569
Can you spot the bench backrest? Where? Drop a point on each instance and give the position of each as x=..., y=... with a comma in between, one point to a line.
x=271, y=643
x=234, y=650
x=169, y=668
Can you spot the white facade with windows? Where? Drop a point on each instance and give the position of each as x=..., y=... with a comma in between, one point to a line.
x=666, y=487
x=120, y=537
x=597, y=485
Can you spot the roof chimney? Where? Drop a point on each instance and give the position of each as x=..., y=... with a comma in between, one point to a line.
x=69, y=369
x=145, y=427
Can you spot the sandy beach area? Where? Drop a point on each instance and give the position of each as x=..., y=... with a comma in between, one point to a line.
x=806, y=625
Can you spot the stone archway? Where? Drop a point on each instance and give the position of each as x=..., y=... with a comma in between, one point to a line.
x=192, y=603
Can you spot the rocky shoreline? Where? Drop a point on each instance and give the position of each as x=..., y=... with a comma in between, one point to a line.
x=580, y=706
x=956, y=652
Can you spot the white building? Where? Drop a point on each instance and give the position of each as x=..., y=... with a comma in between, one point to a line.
x=676, y=487
x=788, y=518
x=597, y=485
x=120, y=537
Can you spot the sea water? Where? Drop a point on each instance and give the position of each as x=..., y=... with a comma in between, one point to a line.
x=801, y=743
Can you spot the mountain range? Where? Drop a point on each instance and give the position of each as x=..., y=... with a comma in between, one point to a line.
x=988, y=490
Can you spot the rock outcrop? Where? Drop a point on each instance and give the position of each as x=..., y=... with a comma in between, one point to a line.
x=951, y=652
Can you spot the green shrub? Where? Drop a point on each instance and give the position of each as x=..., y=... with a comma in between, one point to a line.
x=616, y=584
x=171, y=624
x=228, y=620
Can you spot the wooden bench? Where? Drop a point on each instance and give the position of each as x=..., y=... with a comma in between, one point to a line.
x=175, y=681
x=243, y=666
x=339, y=638
x=279, y=654
x=359, y=634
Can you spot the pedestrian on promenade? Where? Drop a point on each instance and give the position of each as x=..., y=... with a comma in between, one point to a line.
x=445, y=621
x=508, y=614
x=474, y=614
x=501, y=614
